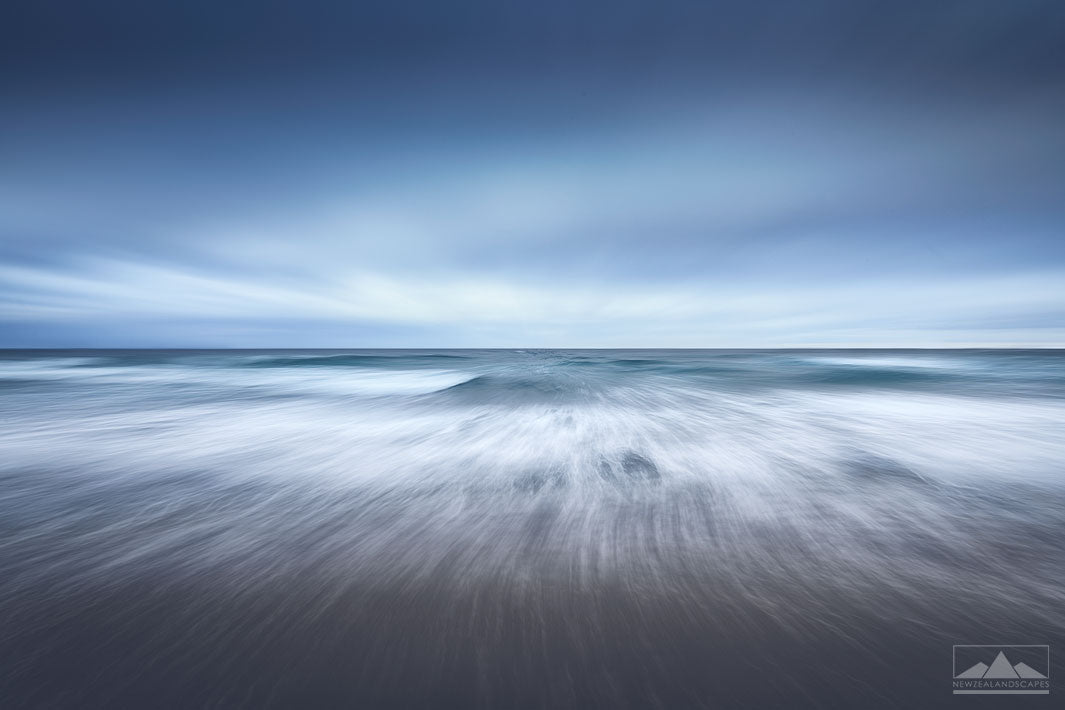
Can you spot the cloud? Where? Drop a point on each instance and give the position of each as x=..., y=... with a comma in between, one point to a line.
x=718, y=175
x=685, y=314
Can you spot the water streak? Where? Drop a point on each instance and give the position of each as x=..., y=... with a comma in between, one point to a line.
x=522, y=529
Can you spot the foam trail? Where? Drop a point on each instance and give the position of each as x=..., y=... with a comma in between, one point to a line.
x=522, y=529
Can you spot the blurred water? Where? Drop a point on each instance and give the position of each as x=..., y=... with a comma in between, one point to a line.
x=523, y=529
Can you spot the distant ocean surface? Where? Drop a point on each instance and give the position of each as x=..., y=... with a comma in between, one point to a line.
x=524, y=529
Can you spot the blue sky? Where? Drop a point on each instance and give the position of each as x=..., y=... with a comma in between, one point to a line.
x=670, y=174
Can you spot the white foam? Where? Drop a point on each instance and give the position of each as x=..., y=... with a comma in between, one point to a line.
x=895, y=361
x=328, y=381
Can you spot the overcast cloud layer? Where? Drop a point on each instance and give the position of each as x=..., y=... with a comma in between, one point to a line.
x=343, y=174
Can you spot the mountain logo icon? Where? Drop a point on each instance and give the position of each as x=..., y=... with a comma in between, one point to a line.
x=1002, y=670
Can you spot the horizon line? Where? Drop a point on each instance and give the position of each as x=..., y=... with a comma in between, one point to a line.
x=520, y=348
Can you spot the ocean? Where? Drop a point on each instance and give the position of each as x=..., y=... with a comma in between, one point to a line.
x=525, y=528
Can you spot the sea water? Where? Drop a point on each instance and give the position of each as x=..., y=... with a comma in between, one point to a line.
x=541, y=528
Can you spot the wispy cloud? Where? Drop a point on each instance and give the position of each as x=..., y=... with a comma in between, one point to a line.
x=804, y=185
x=470, y=306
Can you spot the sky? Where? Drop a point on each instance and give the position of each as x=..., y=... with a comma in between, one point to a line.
x=494, y=173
